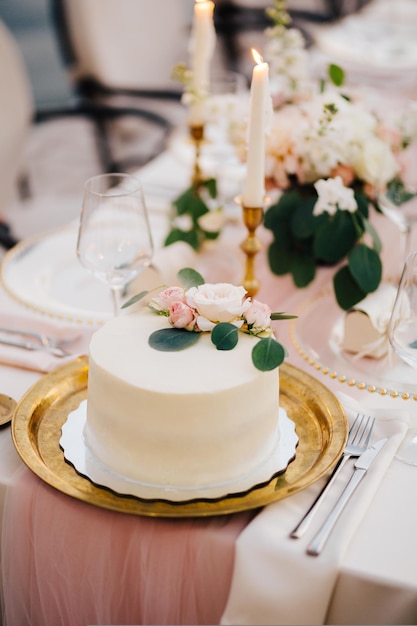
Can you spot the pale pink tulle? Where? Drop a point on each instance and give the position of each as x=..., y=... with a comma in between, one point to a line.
x=69, y=563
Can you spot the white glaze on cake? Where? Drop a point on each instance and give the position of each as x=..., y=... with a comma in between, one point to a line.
x=197, y=417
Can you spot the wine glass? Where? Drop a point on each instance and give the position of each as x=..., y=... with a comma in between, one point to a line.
x=399, y=204
x=402, y=334
x=114, y=237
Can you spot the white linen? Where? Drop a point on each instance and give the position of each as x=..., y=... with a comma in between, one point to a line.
x=40, y=360
x=274, y=580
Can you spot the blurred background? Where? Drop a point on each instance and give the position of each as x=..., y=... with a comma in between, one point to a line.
x=30, y=22
x=81, y=100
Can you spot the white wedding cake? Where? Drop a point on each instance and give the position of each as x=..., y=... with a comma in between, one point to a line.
x=190, y=419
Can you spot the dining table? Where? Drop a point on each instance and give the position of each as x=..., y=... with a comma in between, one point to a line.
x=67, y=560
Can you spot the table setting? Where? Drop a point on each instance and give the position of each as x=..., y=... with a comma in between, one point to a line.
x=77, y=549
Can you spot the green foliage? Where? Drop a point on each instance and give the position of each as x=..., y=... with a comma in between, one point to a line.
x=134, y=299
x=336, y=74
x=302, y=242
x=194, y=203
x=397, y=192
x=172, y=339
x=267, y=354
x=224, y=336
x=189, y=277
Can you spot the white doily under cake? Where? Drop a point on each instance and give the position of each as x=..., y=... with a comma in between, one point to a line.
x=80, y=456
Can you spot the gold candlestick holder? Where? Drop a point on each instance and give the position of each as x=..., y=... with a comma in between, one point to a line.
x=252, y=218
x=197, y=137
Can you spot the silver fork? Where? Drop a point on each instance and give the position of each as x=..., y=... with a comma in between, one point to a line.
x=45, y=342
x=358, y=440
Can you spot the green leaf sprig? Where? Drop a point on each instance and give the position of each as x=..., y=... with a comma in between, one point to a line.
x=194, y=203
x=302, y=242
x=267, y=354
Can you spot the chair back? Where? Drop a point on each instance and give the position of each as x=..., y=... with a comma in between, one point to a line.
x=131, y=44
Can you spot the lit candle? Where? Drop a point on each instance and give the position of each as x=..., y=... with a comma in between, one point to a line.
x=203, y=41
x=260, y=105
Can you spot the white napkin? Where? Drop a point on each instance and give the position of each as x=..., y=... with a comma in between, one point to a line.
x=76, y=342
x=274, y=580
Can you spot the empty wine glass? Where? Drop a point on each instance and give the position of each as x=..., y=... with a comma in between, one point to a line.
x=114, y=236
x=402, y=334
x=399, y=203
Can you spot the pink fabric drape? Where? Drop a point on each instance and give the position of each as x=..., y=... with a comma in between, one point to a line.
x=68, y=563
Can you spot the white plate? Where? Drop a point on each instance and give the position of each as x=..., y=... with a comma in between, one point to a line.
x=43, y=274
x=320, y=345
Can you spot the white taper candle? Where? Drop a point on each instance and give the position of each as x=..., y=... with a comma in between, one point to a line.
x=203, y=40
x=260, y=104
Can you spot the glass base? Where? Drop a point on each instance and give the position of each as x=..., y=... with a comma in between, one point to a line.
x=407, y=452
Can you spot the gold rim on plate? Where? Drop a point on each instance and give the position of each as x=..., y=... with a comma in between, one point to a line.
x=316, y=344
x=320, y=422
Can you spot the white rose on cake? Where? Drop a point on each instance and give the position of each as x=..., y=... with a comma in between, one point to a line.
x=216, y=303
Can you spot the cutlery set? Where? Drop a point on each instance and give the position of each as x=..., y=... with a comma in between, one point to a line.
x=30, y=340
x=357, y=447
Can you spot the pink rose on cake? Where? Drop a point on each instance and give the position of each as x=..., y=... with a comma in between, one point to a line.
x=165, y=298
x=258, y=317
x=181, y=316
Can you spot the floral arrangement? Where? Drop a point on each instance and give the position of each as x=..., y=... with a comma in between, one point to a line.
x=332, y=159
x=285, y=51
x=220, y=309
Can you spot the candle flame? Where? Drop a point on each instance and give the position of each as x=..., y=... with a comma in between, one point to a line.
x=256, y=56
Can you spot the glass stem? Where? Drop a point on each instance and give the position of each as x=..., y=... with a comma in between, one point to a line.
x=405, y=244
x=117, y=303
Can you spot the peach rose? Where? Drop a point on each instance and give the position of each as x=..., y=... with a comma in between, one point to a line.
x=258, y=315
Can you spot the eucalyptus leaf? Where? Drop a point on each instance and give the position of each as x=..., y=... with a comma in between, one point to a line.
x=363, y=203
x=172, y=339
x=188, y=236
x=335, y=237
x=397, y=192
x=303, y=222
x=224, y=336
x=211, y=235
x=280, y=259
x=267, y=354
x=282, y=316
x=303, y=269
x=134, y=299
x=189, y=277
x=190, y=203
x=283, y=209
x=365, y=267
x=347, y=291
x=211, y=185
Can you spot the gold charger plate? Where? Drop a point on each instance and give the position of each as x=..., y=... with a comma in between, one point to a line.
x=320, y=422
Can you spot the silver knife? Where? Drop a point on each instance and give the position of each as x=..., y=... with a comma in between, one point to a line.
x=29, y=345
x=361, y=467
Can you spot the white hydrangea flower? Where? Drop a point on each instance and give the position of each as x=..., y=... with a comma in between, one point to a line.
x=333, y=196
